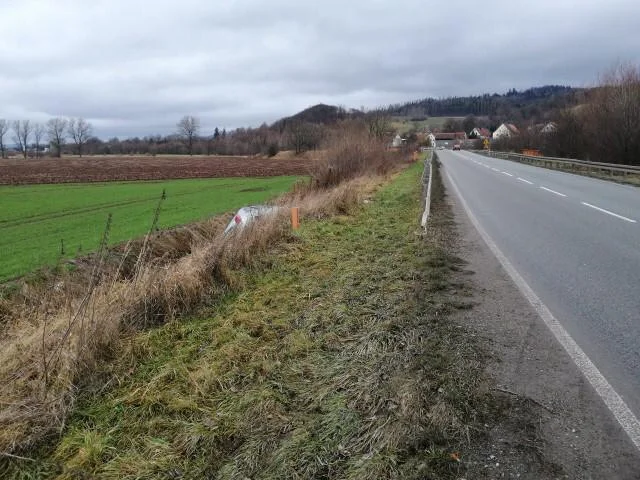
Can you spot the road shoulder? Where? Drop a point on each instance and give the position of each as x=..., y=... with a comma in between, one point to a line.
x=554, y=424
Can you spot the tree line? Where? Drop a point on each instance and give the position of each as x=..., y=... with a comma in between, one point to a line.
x=301, y=132
x=190, y=138
x=514, y=105
x=605, y=127
x=66, y=136
x=30, y=136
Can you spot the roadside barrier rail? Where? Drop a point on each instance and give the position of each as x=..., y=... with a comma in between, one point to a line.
x=573, y=164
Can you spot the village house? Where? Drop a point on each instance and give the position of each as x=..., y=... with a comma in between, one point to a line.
x=550, y=127
x=398, y=141
x=543, y=128
x=460, y=135
x=506, y=130
x=480, y=133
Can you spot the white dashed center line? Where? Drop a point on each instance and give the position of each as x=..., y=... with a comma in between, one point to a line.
x=553, y=191
x=630, y=220
x=601, y=385
x=608, y=212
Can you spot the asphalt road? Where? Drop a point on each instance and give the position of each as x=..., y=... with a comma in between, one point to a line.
x=576, y=242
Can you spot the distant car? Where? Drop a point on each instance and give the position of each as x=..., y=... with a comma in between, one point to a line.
x=456, y=146
x=246, y=215
x=440, y=147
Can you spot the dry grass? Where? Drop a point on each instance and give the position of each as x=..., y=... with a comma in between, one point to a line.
x=43, y=356
x=351, y=152
x=337, y=361
x=58, y=331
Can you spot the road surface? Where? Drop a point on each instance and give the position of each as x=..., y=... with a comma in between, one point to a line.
x=576, y=242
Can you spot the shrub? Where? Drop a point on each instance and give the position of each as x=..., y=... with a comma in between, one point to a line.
x=351, y=152
x=273, y=150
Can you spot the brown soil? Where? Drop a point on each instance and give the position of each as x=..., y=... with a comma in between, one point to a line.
x=123, y=168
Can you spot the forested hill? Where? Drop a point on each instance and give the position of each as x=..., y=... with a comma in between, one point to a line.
x=529, y=103
x=318, y=114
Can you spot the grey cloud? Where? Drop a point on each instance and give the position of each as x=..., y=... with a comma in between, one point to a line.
x=134, y=67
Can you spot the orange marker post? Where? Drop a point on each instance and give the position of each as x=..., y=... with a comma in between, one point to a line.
x=295, y=218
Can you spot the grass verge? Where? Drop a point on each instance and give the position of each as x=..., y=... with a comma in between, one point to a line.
x=335, y=361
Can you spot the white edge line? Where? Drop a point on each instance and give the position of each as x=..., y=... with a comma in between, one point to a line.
x=495, y=169
x=608, y=212
x=603, y=388
x=553, y=191
x=525, y=181
x=507, y=173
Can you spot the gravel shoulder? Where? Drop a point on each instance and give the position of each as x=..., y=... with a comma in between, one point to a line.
x=552, y=424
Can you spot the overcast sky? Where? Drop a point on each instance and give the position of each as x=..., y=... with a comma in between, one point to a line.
x=134, y=67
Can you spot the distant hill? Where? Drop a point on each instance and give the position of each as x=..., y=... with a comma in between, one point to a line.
x=318, y=114
x=514, y=104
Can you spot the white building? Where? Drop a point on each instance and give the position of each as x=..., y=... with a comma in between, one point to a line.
x=481, y=133
x=506, y=130
x=550, y=127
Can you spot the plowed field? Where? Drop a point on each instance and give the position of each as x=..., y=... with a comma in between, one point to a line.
x=125, y=168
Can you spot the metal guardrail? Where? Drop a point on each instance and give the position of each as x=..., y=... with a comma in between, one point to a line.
x=566, y=162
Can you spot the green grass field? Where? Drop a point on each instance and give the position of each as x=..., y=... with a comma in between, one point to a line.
x=36, y=219
x=403, y=124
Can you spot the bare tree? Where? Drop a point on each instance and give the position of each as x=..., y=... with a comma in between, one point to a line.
x=56, y=131
x=188, y=128
x=378, y=123
x=452, y=125
x=22, y=131
x=569, y=139
x=38, y=134
x=613, y=116
x=80, y=131
x=304, y=136
x=4, y=128
x=469, y=123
